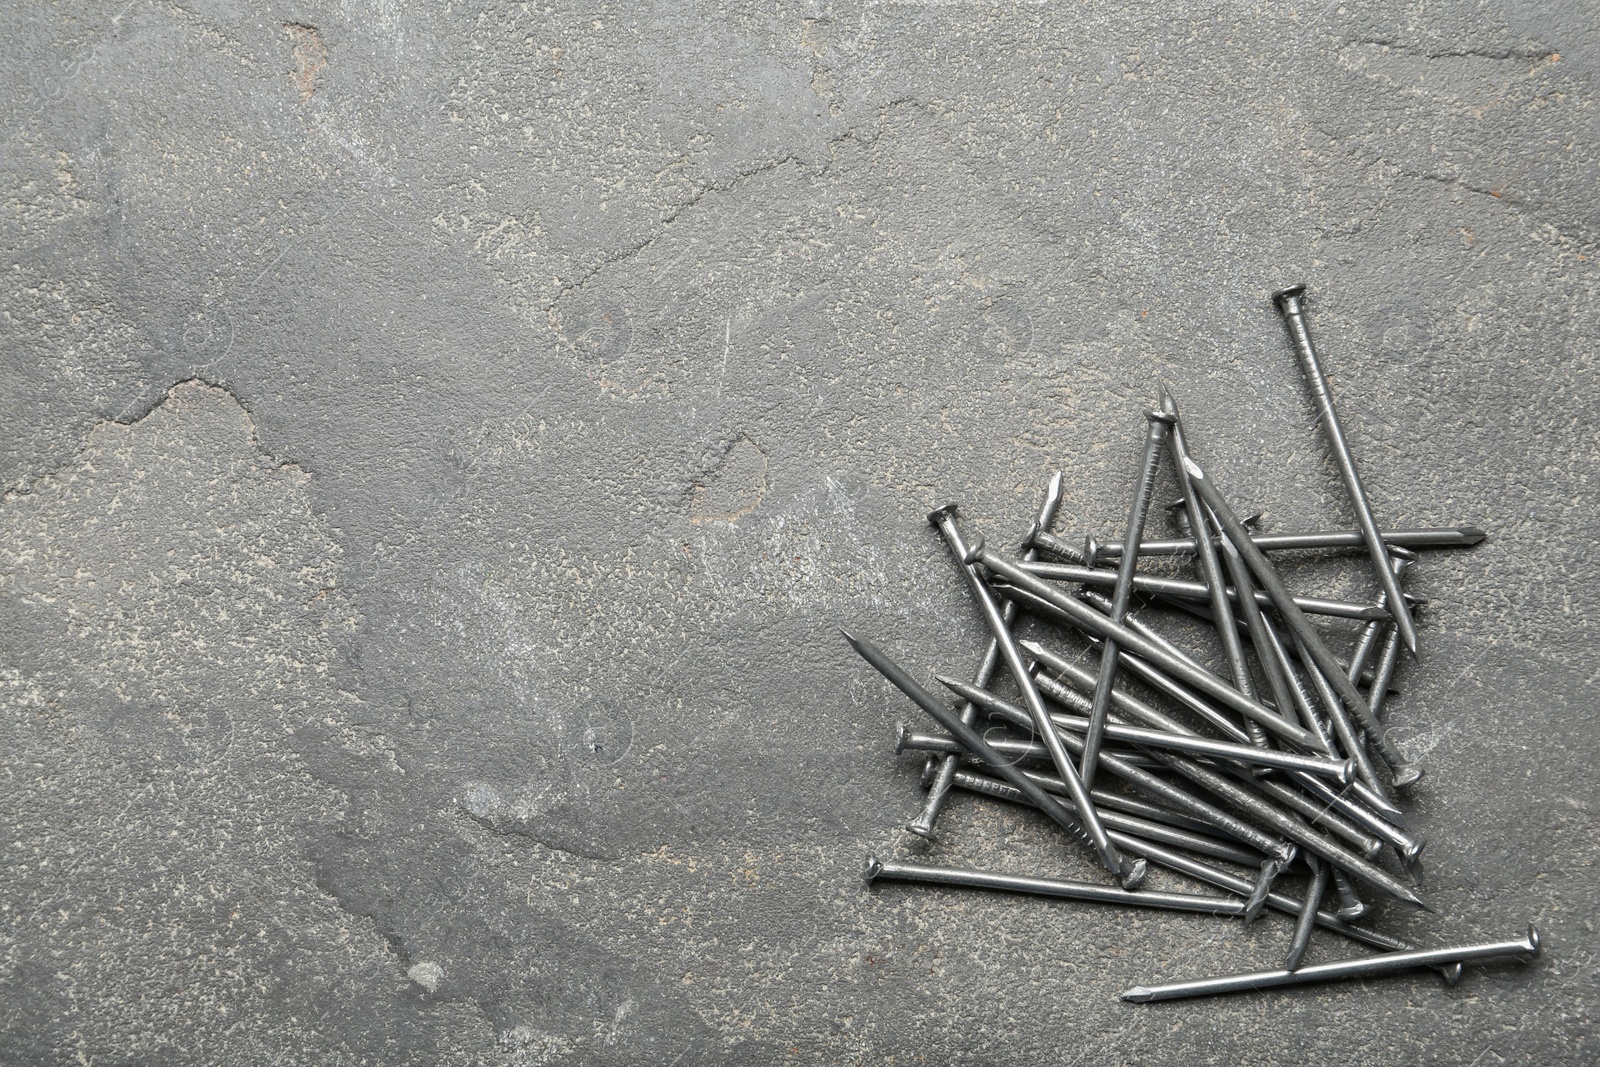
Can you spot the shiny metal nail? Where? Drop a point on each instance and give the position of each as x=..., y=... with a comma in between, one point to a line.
x=1235, y=794
x=1449, y=537
x=922, y=824
x=1158, y=424
x=1184, y=590
x=1367, y=967
x=944, y=520
x=1188, y=742
x=878, y=870
x=1116, y=822
x=1291, y=304
x=1315, y=891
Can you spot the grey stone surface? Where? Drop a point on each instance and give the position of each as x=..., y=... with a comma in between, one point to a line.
x=441, y=441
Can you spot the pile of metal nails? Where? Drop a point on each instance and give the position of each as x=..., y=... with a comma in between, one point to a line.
x=1277, y=767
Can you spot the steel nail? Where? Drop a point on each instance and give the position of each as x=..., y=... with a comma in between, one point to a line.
x=877, y=870
x=1157, y=425
x=1444, y=537
x=1315, y=891
x=1256, y=623
x=1186, y=741
x=1240, y=797
x=1117, y=822
x=944, y=520
x=1365, y=967
x=1378, y=695
x=1131, y=874
x=1185, y=590
x=1211, y=570
x=922, y=824
x=1291, y=304
x=1206, y=872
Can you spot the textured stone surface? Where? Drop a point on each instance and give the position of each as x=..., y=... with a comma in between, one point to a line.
x=440, y=444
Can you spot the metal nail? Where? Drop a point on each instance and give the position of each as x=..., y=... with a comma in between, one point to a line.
x=922, y=824
x=1365, y=967
x=1378, y=695
x=1183, y=590
x=877, y=870
x=1405, y=773
x=1130, y=873
x=1446, y=537
x=1157, y=423
x=1255, y=622
x=944, y=520
x=1235, y=794
x=1116, y=822
x=1291, y=305
x=1316, y=890
x=1211, y=569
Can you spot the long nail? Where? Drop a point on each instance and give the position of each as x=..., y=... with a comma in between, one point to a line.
x=1291, y=305
x=1210, y=568
x=1176, y=587
x=1405, y=773
x=922, y=824
x=1155, y=441
x=1203, y=871
x=1256, y=623
x=1317, y=889
x=1378, y=695
x=1086, y=618
x=944, y=519
x=974, y=743
x=877, y=870
x=1318, y=812
x=1349, y=741
x=1315, y=811
x=1409, y=846
x=1118, y=823
x=1447, y=537
x=1366, y=967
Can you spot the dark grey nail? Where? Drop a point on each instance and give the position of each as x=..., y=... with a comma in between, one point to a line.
x=1366, y=967
x=944, y=519
x=1291, y=304
x=922, y=825
x=1315, y=891
x=1447, y=537
x=1158, y=424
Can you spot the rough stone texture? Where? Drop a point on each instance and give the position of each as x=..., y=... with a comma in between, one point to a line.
x=441, y=443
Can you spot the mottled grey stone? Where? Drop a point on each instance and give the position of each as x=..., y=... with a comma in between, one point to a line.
x=440, y=443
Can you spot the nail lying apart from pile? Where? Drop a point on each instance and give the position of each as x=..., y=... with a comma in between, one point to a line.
x=1276, y=766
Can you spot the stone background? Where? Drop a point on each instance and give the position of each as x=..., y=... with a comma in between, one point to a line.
x=441, y=441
